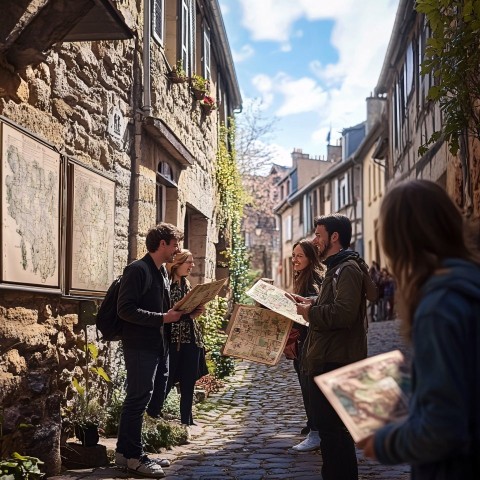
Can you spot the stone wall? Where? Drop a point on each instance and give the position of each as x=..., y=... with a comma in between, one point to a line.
x=68, y=101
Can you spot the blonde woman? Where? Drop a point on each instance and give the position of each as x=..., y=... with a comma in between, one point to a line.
x=187, y=350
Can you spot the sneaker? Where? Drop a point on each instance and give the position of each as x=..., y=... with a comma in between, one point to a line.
x=145, y=466
x=121, y=461
x=312, y=442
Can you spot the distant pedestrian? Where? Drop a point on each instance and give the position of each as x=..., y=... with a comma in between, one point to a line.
x=374, y=273
x=438, y=276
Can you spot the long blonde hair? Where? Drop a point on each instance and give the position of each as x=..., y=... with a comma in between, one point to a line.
x=180, y=258
x=420, y=226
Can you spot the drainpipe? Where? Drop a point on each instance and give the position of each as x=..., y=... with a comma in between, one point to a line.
x=147, y=25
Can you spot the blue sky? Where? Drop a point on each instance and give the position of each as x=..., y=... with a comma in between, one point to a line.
x=312, y=63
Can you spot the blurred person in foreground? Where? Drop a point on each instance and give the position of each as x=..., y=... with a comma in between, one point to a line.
x=438, y=279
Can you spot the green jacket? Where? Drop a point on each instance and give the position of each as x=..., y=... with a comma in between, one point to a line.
x=337, y=334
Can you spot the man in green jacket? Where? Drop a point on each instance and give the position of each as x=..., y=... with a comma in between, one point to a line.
x=336, y=337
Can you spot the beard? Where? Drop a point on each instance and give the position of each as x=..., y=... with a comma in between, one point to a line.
x=322, y=252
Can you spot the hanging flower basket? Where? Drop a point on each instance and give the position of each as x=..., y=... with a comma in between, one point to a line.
x=174, y=77
x=198, y=94
x=208, y=104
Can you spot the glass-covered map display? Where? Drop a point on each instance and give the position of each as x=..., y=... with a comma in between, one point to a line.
x=30, y=210
x=93, y=229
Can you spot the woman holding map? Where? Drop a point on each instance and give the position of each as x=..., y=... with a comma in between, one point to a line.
x=187, y=350
x=438, y=278
x=307, y=278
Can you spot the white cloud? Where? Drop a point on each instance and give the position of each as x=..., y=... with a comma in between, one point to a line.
x=337, y=91
x=245, y=52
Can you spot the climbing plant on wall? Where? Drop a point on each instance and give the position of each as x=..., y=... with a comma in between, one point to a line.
x=232, y=198
x=452, y=56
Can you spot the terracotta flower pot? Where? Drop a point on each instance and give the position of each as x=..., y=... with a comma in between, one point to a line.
x=198, y=94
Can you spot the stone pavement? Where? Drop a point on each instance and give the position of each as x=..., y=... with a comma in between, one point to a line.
x=245, y=431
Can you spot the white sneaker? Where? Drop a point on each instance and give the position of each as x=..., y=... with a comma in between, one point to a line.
x=121, y=461
x=312, y=442
x=145, y=466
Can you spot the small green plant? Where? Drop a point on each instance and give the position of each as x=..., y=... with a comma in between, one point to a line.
x=158, y=433
x=197, y=82
x=178, y=73
x=87, y=409
x=20, y=467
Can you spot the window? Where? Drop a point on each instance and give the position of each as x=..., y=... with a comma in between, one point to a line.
x=188, y=35
x=342, y=192
x=288, y=228
x=164, y=180
x=409, y=70
x=158, y=20
x=206, y=53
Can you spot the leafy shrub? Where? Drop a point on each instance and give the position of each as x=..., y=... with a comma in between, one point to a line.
x=20, y=467
x=158, y=433
x=212, y=323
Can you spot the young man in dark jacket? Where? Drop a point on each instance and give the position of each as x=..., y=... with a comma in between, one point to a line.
x=336, y=337
x=144, y=347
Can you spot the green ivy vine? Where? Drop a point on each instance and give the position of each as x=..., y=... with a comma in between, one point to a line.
x=232, y=199
x=452, y=56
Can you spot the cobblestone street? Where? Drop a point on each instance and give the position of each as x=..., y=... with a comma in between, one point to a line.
x=245, y=432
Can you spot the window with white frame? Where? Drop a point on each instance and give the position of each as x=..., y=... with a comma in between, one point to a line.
x=342, y=191
x=288, y=228
x=158, y=20
x=188, y=13
x=206, y=52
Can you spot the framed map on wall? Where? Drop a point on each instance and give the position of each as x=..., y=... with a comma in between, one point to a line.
x=92, y=229
x=30, y=200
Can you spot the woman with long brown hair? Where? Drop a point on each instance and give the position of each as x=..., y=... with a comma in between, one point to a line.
x=307, y=279
x=438, y=278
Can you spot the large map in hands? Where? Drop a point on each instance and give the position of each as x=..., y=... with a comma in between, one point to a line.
x=275, y=299
x=30, y=210
x=199, y=295
x=93, y=224
x=256, y=334
x=368, y=394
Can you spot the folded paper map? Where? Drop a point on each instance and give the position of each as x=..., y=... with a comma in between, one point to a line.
x=368, y=394
x=256, y=334
x=199, y=295
x=275, y=299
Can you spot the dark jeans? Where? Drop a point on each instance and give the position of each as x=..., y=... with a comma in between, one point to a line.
x=143, y=368
x=184, y=368
x=303, y=381
x=336, y=444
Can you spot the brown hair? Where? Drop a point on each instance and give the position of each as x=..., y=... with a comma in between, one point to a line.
x=180, y=258
x=420, y=226
x=162, y=231
x=310, y=278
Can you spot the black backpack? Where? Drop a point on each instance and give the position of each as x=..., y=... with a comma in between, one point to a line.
x=108, y=323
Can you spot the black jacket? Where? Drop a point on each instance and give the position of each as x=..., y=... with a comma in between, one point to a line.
x=143, y=314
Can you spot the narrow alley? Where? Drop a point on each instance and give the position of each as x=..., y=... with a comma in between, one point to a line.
x=245, y=431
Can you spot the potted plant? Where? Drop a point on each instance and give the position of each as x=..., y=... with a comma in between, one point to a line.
x=199, y=86
x=177, y=73
x=208, y=104
x=86, y=411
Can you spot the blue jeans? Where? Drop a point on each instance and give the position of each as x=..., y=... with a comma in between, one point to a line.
x=143, y=368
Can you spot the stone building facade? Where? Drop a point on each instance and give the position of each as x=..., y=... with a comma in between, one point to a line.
x=89, y=84
x=411, y=118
